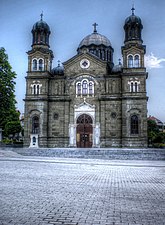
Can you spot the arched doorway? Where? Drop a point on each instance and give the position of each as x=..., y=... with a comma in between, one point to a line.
x=84, y=131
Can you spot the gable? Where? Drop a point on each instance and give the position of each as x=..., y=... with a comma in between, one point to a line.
x=85, y=63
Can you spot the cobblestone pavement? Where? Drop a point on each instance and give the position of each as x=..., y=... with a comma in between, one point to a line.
x=81, y=192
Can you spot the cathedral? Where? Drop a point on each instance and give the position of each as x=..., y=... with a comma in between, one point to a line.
x=87, y=101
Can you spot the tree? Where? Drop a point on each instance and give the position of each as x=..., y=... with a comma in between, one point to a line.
x=154, y=135
x=13, y=128
x=8, y=112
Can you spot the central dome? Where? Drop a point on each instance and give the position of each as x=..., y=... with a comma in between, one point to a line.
x=98, y=45
x=95, y=39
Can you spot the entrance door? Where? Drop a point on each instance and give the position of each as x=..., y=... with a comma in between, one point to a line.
x=84, y=131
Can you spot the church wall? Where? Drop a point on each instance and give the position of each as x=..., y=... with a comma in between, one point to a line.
x=134, y=107
x=36, y=108
x=110, y=121
x=58, y=123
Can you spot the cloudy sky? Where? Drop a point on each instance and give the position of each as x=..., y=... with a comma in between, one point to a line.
x=70, y=21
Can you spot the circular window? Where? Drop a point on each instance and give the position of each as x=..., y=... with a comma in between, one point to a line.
x=113, y=115
x=84, y=63
x=56, y=116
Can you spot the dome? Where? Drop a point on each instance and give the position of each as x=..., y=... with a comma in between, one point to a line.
x=41, y=26
x=95, y=39
x=133, y=28
x=59, y=70
x=98, y=45
x=133, y=19
x=41, y=32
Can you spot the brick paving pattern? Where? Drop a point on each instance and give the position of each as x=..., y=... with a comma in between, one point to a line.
x=82, y=193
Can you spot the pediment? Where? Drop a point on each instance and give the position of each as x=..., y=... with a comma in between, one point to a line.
x=73, y=66
x=84, y=107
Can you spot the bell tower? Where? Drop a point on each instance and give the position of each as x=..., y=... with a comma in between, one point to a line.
x=40, y=56
x=134, y=99
x=37, y=86
x=133, y=50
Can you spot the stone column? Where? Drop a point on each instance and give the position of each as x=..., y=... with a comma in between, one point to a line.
x=97, y=135
x=72, y=135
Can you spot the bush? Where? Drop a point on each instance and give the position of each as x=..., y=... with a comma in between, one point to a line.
x=159, y=145
x=7, y=141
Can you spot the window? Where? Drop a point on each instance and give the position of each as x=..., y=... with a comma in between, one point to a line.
x=134, y=85
x=40, y=64
x=134, y=124
x=90, y=88
x=37, y=65
x=34, y=64
x=79, y=89
x=84, y=118
x=35, y=125
x=36, y=87
x=130, y=61
x=85, y=88
x=133, y=61
x=136, y=61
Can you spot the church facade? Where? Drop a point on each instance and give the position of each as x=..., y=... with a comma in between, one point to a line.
x=88, y=102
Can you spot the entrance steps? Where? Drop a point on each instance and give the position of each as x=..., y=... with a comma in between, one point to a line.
x=95, y=153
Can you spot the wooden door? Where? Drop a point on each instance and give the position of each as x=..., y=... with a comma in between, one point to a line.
x=84, y=131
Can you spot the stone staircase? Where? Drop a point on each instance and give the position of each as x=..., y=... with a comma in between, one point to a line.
x=95, y=153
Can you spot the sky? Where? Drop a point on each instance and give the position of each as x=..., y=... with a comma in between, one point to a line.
x=70, y=21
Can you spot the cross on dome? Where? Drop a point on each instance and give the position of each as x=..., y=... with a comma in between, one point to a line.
x=133, y=9
x=41, y=15
x=95, y=25
x=58, y=62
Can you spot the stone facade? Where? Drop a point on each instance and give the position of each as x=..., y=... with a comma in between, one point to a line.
x=89, y=102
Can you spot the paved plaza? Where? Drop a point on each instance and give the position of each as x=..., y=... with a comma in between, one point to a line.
x=44, y=191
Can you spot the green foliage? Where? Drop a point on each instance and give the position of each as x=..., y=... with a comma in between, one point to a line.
x=155, y=137
x=12, y=127
x=152, y=126
x=8, y=113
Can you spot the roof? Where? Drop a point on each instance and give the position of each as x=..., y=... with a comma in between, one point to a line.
x=95, y=39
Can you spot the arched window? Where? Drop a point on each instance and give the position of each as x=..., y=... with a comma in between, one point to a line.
x=91, y=88
x=78, y=88
x=39, y=38
x=40, y=64
x=103, y=54
x=85, y=87
x=130, y=61
x=35, y=125
x=34, y=64
x=136, y=61
x=37, y=65
x=134, y=124
x=134, y=85
x=85, y=119
x=36, y=87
